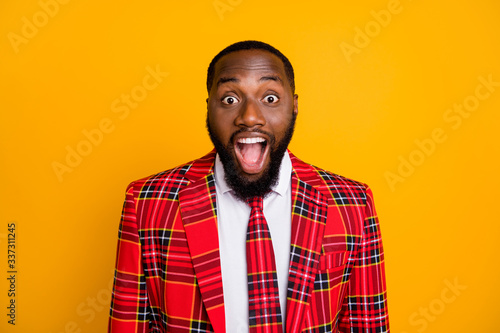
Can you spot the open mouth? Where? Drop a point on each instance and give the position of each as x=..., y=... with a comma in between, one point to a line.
x=251, y=153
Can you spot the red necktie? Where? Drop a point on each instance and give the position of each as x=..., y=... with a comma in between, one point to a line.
x=263, y=296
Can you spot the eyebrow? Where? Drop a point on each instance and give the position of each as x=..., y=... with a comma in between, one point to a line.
x=271, y=78
x=223, y=80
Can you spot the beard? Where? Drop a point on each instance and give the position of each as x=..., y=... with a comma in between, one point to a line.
x=243, y=187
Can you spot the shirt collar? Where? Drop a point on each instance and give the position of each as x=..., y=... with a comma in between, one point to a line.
x=280, y=187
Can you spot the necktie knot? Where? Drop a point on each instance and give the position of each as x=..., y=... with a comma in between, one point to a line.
x=255, y=203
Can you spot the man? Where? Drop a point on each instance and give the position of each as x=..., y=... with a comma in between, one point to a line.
x=249, y=238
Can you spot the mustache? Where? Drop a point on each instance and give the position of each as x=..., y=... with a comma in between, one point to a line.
x=272, y=138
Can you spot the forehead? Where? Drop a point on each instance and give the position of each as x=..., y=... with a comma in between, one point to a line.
x=249, y=62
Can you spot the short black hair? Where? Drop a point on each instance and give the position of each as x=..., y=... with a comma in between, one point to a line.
x=251, y=45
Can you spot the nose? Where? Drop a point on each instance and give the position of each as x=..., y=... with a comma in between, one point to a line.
x=250, y=115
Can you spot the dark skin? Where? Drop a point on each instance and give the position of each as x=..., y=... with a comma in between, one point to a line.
x=250, y=101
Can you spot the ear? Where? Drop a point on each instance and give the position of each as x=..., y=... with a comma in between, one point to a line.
x=295, y=104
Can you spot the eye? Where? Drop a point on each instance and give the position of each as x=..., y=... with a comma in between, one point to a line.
x=271, y=99
x=229, y=100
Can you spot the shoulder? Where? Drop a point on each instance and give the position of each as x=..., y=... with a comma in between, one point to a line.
x=171, y=176
x=171, y=181
x=342, y=189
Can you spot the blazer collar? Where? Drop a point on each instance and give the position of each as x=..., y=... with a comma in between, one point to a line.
x=200, y=168
x=204, y=166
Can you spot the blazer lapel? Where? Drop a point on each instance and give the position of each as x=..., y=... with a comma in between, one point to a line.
x=309, y=213
x=199, y=214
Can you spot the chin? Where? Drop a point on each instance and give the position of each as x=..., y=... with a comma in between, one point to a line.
x=251, y=178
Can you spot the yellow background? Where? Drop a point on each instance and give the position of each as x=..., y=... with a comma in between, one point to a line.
x=360, y=115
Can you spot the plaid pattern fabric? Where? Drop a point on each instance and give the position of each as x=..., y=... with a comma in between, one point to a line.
x=309, y=208
x=168, y=276
x=263, y=295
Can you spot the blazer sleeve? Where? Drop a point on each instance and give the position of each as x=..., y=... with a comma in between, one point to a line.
x=129, y=300
x=364, y=308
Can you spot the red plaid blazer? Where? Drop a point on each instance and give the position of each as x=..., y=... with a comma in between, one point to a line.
x=168, y=274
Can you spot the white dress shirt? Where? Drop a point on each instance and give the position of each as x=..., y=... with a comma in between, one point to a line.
x=232, y=219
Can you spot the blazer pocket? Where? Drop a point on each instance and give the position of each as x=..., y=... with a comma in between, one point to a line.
x=331, y=260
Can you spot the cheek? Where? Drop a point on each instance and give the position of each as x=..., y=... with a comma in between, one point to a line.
x=280, y=123
x=220, y=125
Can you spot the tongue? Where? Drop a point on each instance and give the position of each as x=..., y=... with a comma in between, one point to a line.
x=251, y=152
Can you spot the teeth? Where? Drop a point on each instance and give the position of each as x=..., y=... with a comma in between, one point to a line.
x=251, y=140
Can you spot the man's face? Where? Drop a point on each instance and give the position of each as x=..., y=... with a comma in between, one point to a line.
x=251, y=113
